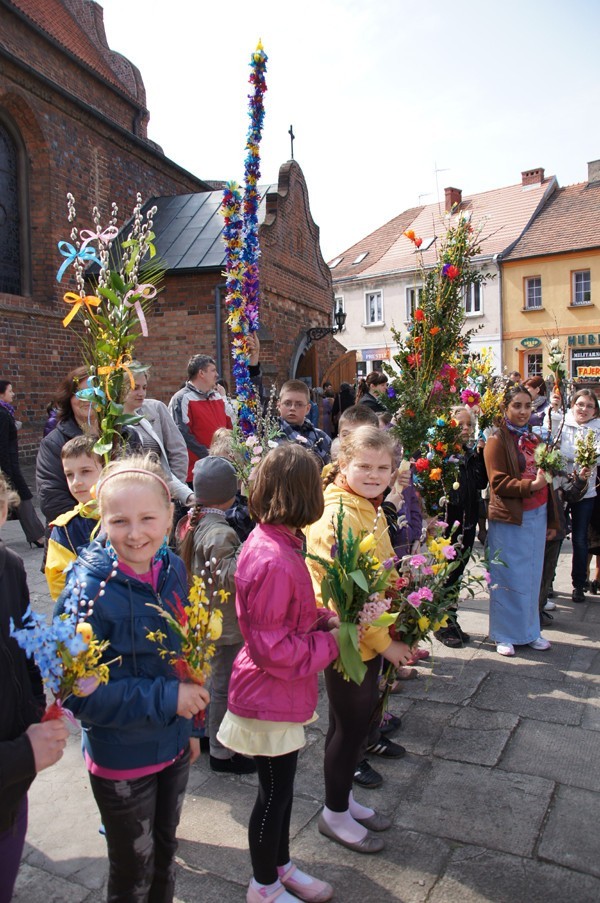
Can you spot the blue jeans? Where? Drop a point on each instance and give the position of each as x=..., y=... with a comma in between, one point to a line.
x=140, y=818
x=581, y=515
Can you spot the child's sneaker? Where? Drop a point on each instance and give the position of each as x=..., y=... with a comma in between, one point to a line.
x=313, y=890
x=540, y=644
x=263, y=895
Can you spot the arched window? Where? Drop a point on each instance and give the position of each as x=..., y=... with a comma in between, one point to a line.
x=11, y=249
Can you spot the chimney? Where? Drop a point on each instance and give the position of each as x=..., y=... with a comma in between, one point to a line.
x=594, y=171
x=532, y=176
x=453, y=198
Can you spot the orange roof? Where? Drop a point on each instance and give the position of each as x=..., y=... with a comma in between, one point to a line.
x=54, y=17
x=570, y=221
x=375, y=244
x=503, y=214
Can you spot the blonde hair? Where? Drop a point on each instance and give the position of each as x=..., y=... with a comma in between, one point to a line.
x=143, y=470
x=365, y=437
x=222, y=444
x=8, y=496
x=460, y=409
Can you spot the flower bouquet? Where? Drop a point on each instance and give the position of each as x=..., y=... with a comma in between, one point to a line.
x=114, y=316
x=355, y=583
x=67, y=653
x=196, y=625
x=586, y=450
x=421, y=598
x=550, y=460
x=249, y=448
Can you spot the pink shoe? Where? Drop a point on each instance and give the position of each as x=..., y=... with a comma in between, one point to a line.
x=263, y=896
x=315, y=892
x=419, y=654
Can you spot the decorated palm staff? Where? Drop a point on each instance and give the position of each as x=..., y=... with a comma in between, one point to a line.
x=431, y=361
x=242, y=246
x=114, y=315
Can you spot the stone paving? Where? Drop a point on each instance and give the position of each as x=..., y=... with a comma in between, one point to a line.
x=497, y=799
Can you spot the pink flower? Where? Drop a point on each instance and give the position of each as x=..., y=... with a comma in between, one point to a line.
x=449, y=552
x=487, y=577
x=414, y=599
x=427, y=571
x=437, y=386
x=417, y=560
x=425, y=593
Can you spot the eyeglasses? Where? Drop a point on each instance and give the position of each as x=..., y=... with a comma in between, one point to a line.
x=293, y=404
x=585, y=407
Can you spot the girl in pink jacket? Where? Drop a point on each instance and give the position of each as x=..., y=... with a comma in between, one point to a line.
x=287, y=641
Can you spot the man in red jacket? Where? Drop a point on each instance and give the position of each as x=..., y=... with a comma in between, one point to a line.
x=199, y=408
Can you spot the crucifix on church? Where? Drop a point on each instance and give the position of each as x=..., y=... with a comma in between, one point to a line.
x=292, y=136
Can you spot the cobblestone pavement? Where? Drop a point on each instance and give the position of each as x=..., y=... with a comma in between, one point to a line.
x=497, y=799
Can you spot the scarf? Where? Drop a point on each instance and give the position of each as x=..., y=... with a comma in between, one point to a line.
x=9, y=408
x=523, y=439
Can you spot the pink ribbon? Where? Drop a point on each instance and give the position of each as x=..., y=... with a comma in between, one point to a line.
x=109, y=234
x=146, y=291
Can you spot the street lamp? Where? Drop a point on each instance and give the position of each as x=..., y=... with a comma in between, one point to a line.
x=319, y=332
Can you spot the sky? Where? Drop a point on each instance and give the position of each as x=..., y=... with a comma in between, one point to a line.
x=391, y=101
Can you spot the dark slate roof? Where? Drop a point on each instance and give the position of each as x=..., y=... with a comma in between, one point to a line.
x=188, y=229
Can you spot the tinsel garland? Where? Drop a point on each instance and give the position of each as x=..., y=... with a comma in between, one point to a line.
x=242, y=247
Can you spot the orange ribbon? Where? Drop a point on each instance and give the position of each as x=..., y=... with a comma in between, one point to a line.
x=121, y=364
x=79, y=301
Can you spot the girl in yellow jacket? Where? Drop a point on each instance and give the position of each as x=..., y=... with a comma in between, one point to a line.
x=361, y=477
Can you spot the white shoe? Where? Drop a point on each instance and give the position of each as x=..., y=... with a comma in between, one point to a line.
x=549, y=606
x=505, y=648
x=540, y=644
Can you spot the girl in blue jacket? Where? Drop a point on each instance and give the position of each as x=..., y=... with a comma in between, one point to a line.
x=137, y=727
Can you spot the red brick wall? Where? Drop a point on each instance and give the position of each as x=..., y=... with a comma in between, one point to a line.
x=68, y=148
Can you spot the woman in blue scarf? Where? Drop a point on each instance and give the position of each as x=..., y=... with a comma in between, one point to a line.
x=520, y=499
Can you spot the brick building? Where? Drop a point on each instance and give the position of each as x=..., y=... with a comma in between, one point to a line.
x=73, y=117
x=295, y=282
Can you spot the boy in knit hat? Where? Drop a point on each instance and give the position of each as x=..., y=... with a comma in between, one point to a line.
x=209, y=538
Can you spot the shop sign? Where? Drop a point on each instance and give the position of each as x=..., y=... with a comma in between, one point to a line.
x=585, y=364
x=585, y=339
x=531, y=342
x=376, y=354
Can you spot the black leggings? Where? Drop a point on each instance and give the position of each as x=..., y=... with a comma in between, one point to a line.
x=269, y=828
x=351, y=709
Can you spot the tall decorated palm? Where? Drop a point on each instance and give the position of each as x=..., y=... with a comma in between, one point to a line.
x=430, y=371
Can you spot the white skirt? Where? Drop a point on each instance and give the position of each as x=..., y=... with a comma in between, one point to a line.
x=253, y=737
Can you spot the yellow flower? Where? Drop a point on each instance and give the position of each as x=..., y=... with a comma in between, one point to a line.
x=423, y=623
x=215, y=625
x=367, y=544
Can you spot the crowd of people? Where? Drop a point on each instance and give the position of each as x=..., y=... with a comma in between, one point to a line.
x=110, y=530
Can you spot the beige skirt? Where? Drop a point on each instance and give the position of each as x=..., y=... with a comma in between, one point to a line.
x=253, y=737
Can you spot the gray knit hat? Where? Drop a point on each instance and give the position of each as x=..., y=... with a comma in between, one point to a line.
x=215, y=480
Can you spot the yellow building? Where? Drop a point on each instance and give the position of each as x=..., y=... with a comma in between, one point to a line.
x=551, y=285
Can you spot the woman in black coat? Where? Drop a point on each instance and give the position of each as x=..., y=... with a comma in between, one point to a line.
x=74, y=418
x=9, y=465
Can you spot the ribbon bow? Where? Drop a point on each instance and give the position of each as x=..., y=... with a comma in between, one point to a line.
x=132, y=299
x=79, y=301
x=106, y=236
x=122, y=363
x=87, y=255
